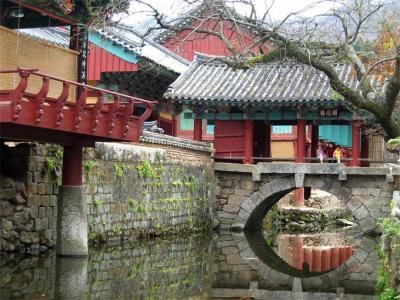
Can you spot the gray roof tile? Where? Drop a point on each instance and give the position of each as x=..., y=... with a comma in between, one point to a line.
x=278, y=82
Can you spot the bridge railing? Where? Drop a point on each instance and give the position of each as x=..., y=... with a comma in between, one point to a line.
x=72, y=106
x=365, y=162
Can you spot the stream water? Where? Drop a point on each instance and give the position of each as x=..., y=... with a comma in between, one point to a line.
x=217, y=266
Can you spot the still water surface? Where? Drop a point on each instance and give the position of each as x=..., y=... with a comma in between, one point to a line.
x=335, y=265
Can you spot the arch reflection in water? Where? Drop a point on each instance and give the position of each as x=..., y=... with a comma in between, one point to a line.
x=315, y=252
x=248, y=266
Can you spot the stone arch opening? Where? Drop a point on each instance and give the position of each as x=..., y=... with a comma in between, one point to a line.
x=256, y=206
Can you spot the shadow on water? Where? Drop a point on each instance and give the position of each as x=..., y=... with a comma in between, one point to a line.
x=225, y=266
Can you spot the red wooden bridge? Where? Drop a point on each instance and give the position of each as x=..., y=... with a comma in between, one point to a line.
x=77, y=117
x=69, y=117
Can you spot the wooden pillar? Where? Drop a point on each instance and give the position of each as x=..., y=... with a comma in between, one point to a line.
x=72, y=165
x=298, y=258
x=300, y=153
x=198, y=129
x=326, y=259
x=364, y=147
x=299, y=197
x=79, y=42
x=174, y=125
x=342, y=255
x=248, y=141
x=355, y=144
x=334, y=258
x=316, y=259
x=268, y=140
x=308, y=259
x=314, y=140
x=301, y=141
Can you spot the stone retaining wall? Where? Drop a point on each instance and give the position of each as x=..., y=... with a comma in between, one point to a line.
x=152, y=269
x=132, y=190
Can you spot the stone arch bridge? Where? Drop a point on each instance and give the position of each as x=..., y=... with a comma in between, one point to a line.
x=245, y=193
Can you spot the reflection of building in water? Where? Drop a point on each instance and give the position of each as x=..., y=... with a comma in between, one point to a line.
x=312, y=254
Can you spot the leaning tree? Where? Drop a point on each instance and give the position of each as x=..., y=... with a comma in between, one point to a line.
x=364, y=33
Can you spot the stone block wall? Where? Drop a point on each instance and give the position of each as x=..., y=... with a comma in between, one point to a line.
x=242, y=201
x=28, y=197
x=150, y=269
x=132, y=190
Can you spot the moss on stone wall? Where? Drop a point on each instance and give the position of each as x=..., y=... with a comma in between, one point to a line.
x=132, y=191
x=388, y=283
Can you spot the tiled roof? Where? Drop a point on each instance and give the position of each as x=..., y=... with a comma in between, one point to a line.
x=53, y=35
x=276, y=83
x=162, y=139
x=131, y=40
x=128, y=39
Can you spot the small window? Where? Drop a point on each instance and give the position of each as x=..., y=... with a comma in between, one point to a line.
x=187, y=120
x=210, y=126
x=188, y=115
x=282, y=129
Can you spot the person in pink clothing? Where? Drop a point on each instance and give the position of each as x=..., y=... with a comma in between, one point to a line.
x=320, y=154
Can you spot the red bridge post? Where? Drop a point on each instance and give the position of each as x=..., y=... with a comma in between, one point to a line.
x=355, y=153
x=248, y=141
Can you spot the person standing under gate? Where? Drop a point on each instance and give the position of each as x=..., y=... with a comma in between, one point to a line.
x=338, y=154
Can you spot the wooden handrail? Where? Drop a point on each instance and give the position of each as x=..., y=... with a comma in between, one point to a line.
x=37, y=73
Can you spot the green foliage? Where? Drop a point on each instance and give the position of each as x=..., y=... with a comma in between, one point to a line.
x=391, y=226
x=393, y=145
x=117, y=230
x=385, y=292
x=98, y=202
x=120, y=169
x=336, y=96
x=145, y=170
x=88, y=166
x=193, y=184
x=177, y=183
x=271, y=56
x=132, y=202
x=58, y=153
x=50, y=165
x=158, y=156
x=389, y=294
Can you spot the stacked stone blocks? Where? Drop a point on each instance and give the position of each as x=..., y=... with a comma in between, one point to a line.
x=242, y=203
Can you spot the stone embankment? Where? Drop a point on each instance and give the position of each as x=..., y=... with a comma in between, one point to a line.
x=160, y=186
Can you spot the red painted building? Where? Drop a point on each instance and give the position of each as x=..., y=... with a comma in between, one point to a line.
x=184, y=118
x=179, y=121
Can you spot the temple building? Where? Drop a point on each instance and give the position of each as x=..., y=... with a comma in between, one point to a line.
x=243, y=104
x=179, y=120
